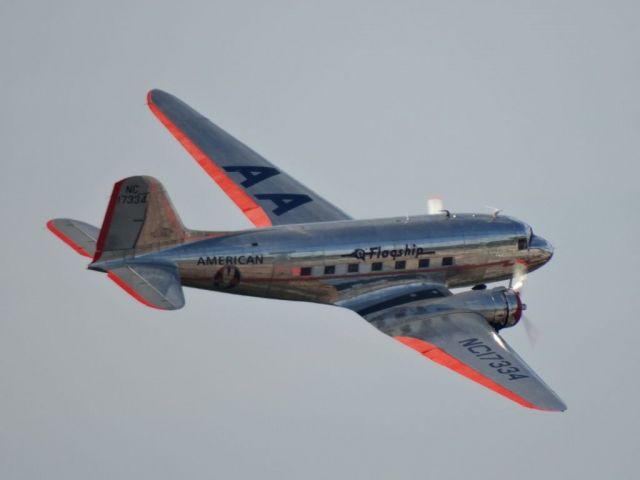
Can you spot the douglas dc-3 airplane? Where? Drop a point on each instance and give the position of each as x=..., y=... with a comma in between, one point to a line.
x=393, y=272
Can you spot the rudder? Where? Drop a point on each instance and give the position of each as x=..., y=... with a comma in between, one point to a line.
x=140, y=218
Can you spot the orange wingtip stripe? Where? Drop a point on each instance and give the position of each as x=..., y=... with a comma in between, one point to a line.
x=249, y=207
x=122, y=284
x=444, y=359
x=67, y=240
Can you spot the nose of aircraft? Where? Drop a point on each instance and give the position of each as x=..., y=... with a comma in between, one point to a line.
x=541, y=250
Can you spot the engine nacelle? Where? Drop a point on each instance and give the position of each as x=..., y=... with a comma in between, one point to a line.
x=508, y=308
x=501, y=307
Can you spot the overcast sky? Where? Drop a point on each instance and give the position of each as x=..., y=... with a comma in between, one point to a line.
x=532, y=107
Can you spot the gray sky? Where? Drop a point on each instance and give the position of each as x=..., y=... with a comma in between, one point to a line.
x=532, y=107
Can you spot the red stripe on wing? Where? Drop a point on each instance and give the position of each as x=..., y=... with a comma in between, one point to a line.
x=122, y=284
x=443, y=358
x=249, y=207
x=67, y=240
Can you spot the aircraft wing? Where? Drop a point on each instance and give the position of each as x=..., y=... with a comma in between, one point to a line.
x=461, y=340
x=264, y=193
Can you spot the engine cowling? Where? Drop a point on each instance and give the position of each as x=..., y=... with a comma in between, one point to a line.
x=500, y=306
x=509, y=309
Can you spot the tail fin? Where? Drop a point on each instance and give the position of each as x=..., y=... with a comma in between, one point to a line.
x=140, y=219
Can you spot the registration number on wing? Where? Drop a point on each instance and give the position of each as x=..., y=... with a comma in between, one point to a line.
x=496, y=361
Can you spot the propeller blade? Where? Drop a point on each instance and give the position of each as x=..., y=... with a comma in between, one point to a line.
x=519, y=276
x=434, y=206
x=533, y=334
x=494, y=211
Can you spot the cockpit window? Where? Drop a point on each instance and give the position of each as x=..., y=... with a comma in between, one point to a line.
x=522, y=244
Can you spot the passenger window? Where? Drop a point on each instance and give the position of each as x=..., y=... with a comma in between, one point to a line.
x=446, y=261
x=305, y=271
x=376, y=266
x=423, y=263
x=329, y=269
x=401, y=265
x=353, y=267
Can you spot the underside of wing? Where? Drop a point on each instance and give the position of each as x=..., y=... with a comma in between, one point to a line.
x=368, y=302
x=264, y=193
x=455, y=331
x=467, y=344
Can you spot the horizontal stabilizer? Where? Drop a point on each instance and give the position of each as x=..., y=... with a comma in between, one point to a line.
x=80, y=236
x=156, y=286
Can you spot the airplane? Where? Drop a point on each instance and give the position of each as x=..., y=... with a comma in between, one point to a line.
x=396, y=273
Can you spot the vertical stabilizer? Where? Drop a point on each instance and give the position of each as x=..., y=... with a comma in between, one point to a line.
x=140, y=218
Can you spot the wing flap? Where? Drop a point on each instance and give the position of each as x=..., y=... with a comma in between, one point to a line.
x=156, y=286
x=467, y=344
x=265, y=194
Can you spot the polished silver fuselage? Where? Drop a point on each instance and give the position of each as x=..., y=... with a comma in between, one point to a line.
x=330, y=261
x=395, y=273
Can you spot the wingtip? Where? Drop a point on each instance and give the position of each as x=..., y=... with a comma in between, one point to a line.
x=151, y=94
x=560, y=407
x=154, y=94
x=553, y=403
x=156, y=98
x=553, y=409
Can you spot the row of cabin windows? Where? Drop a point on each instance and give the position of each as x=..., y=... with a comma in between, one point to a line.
x=375, y=266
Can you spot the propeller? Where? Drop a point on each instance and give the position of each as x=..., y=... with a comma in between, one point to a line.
x=516, y=284
x=531, y=330
x=519, y=276
x=434, y=206
x=494, y=211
